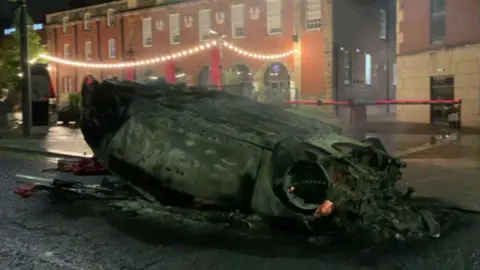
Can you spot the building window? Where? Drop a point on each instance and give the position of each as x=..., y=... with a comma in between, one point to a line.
x=67, y=84
x=87, y=21
x=383, y=24
x=147, y=34
x=110, y=17
x=274, y=17
x=313, y=14
x=437, y=21
x=238, y=21
x=65, y=25
x=174, y=28
x=88, y=50
x=204, y=24
x=67, y=52
x=368, y=69
x=112, y=53
x=347, y=71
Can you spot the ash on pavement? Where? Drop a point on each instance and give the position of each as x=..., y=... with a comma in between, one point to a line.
x=38, y=234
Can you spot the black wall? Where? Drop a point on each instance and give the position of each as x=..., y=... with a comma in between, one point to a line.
x=357, y=26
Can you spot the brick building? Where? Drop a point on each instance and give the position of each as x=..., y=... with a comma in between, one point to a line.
x=438, y=46
x=129, y=30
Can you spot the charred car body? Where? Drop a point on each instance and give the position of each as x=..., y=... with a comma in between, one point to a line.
x=179, y=145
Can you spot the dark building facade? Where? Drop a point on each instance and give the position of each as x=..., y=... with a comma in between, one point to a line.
x=364, y=49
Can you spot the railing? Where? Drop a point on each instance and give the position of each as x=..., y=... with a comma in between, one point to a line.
x=358, y=108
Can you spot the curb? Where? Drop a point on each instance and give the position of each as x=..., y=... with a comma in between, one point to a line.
x=439, y=142
x=76, y=155
x=55, y=153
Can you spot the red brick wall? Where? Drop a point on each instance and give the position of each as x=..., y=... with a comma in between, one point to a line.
x=462, y=24
x=313, y=78
x=256, y=40
x=256, y=37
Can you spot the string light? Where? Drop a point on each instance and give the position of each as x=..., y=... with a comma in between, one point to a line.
x=162, y=59
x=256, y=55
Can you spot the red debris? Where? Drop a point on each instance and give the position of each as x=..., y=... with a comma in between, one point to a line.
x=25, y=190
x=87, y=166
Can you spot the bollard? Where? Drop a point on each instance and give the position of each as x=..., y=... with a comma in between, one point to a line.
x=459, y=122
x=358, y=118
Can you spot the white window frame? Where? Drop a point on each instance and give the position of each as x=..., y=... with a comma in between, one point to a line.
x=112, y=50
x=383, y=24
x=204, y=24
x=368, y=69
x=274, y=17
x=88, y=50
x=87, y=21
x=174, y=25
x=70, y=84
x=67, y=51
x=110, y=17
x=65, y=24
x=313, y=14
x=238, y=20
x=147, y=34
x=67, y=84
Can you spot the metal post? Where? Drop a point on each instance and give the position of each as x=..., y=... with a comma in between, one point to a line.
x=24, y=62
x=220, y=67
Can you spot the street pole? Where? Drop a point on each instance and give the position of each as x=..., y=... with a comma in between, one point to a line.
x=24, y=62
x=220, y=48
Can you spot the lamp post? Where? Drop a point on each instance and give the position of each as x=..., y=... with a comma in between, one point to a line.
x=25, y=66
x=220, y=43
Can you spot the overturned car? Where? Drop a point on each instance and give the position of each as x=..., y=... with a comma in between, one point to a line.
x=193, y=147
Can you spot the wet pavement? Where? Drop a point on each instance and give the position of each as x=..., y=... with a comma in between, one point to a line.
x=69, y=141
x=38, y=234
x=59, y=140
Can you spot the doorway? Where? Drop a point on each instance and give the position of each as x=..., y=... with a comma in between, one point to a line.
x=441, y=88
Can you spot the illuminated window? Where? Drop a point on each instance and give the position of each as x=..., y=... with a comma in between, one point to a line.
x=112, y=53
x=174, y=28
x=347, y=71
x=110, y=17
x=383, y=24
x=368, y=69
x=238, y=21
x=87, y=21
x=65, y=24
x=67, y=84
x=147, y=34
x=67, y=51
x=274, y=17
x=88, y=50
x=204, y=24
x=313, y=14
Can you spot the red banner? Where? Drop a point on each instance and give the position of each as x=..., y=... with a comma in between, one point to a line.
x=129, y=74
x=215, y=70
x=170, y=71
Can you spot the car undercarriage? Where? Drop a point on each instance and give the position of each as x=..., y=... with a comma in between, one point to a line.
x=211, y=151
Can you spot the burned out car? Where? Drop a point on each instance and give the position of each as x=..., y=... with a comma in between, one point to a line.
x=188, y=146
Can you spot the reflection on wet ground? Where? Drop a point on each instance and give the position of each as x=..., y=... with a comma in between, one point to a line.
x=43, y=234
